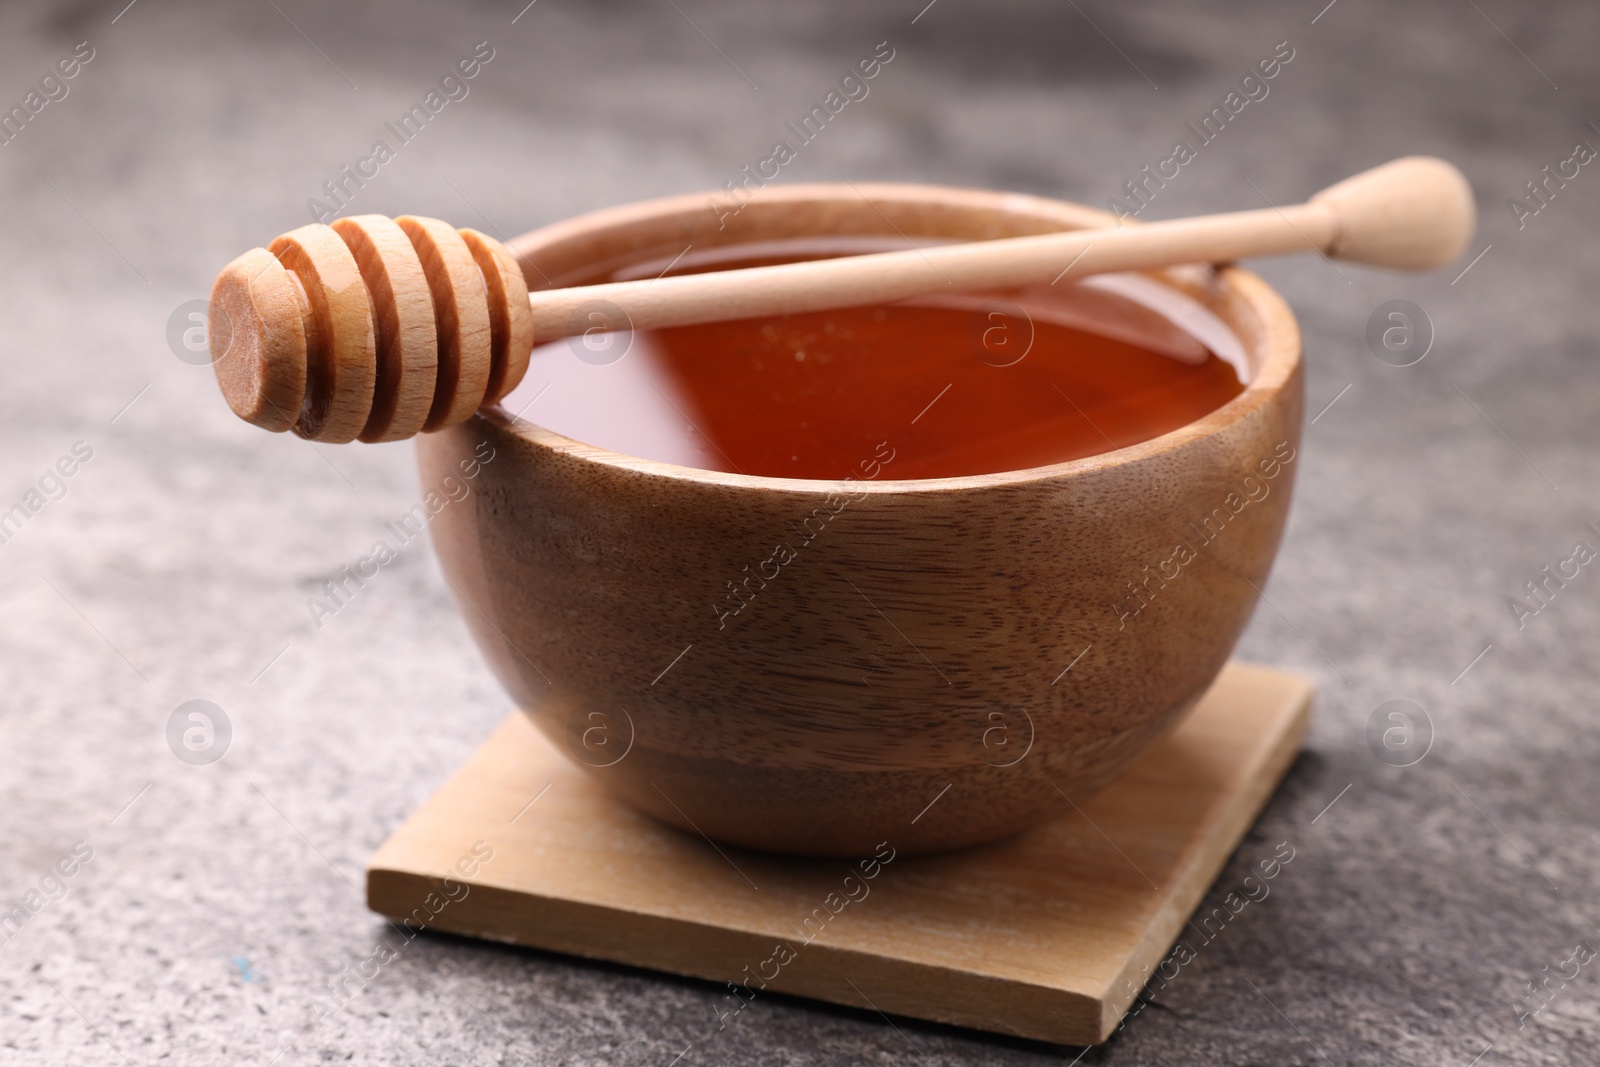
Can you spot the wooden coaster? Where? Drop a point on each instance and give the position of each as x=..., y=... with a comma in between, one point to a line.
x=1048, y=935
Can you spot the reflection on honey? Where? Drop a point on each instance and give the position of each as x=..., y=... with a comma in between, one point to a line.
x=955, y=385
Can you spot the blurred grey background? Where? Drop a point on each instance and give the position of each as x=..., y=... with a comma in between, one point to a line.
x=221, y=899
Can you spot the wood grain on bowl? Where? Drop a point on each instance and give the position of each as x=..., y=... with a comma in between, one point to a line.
x=881, y=680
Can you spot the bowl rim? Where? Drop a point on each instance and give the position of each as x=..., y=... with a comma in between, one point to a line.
x=1275, y=354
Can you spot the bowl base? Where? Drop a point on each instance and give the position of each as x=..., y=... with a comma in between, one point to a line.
x=1049, y=935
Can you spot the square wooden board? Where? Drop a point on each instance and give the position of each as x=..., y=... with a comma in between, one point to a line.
x=1048, y=935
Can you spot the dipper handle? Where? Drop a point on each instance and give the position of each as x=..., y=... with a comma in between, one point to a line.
x=379, y=329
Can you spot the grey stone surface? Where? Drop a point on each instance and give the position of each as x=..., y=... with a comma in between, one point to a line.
x=221, y=898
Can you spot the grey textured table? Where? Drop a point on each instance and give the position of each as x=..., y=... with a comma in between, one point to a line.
x=220, y=901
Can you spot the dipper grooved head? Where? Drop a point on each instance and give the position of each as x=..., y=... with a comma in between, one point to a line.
x=371, y=328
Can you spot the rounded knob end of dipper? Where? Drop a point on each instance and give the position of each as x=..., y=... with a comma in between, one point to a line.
x=258, y=346
x=1415, y=213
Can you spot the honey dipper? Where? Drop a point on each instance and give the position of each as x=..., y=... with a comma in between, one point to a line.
x=377, y=329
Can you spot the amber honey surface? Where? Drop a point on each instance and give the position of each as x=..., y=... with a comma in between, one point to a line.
x=946, y=386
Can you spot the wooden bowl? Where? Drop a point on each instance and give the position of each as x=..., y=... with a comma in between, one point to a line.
x=902, y=680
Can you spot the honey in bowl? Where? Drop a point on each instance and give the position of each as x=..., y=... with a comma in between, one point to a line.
x=937, y=387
